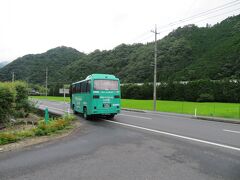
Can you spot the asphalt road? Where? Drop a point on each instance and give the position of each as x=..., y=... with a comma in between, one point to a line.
x=141, y=146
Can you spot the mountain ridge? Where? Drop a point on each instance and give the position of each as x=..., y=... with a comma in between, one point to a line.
x=187, y=53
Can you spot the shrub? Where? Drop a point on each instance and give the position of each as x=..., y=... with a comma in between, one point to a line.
x=13, y=100
x=6, y=138
x=205, y=98
x=23, y=107
x=53, y=126
x=7, y=100
x=25, y=133
x=69, y=117
x=198, y=90
x=40, y=132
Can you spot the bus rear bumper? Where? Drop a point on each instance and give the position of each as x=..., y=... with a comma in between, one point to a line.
x=105, y=112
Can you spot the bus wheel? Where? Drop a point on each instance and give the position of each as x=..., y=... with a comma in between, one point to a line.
x=111, y=116
x=74, y=111
x=85, y=115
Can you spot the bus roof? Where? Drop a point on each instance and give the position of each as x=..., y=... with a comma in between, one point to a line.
x=98, y=76
x=101, y=76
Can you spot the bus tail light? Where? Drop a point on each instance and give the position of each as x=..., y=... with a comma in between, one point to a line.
x=116, y=96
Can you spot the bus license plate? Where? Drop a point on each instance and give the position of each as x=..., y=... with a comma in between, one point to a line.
x=106, y=105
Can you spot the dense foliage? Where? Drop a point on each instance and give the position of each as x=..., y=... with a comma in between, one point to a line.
x=200, y=91
x=2, y=64
x=32, y=68
x=13, y=100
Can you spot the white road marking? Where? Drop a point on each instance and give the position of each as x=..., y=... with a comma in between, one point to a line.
x=135, y=116
x=176, y=135
x=165, y=133
x=231, y=131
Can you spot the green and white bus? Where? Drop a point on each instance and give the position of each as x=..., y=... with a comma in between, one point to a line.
x=98, y=94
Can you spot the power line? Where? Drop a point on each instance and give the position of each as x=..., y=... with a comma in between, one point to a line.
x=201, y=20
x=217, y=15
x=199, y=15
x=210, y=11
x=211, y=17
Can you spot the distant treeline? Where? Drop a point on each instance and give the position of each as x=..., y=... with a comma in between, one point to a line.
x=198, y=91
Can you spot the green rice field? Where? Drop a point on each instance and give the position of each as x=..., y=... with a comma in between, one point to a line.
x=226, y=110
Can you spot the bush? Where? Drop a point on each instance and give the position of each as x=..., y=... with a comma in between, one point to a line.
x=42, y=129
x=199, y=90
x=25, y=133
x=205, y=98
x=53, y=125
x=40, y=132
x=133, y=91
x=7, y=101
x=23, y=107
x=13, y=100
x=6, y=138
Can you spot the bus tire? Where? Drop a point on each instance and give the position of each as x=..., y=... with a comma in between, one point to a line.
x=110, y=117
x=85, y=115
x=73, y=108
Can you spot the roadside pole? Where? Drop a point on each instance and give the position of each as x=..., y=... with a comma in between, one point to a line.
x=239, y=111
x=155, y=70
x=46, y=117
x=46, y=82
x=64, y=95
x=64, y=91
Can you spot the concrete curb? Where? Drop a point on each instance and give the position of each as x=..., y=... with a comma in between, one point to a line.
x=134, y=110
x=216, y=119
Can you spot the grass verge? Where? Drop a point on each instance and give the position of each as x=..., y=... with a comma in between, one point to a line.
x=213, y=109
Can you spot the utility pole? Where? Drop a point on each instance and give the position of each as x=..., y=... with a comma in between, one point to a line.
x=155, y=70
x=13, y=76
x=46, y=80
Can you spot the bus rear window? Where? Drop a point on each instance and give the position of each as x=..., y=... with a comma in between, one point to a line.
x=105, y=84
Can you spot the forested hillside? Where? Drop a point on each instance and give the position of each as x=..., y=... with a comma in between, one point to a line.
x=2, y=64
x=32, y=67
x=187, y=53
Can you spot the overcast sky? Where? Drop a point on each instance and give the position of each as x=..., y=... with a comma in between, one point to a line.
x=34, y=26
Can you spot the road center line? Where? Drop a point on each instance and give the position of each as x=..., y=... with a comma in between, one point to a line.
x=135, y=116
x=231, y=131
x=176, y=135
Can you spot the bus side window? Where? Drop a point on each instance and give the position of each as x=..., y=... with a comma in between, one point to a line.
x=88, y=86
x=81, y=87
x=74, y=89
x=70, y=91
x=78, y=88
x=84, y=86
